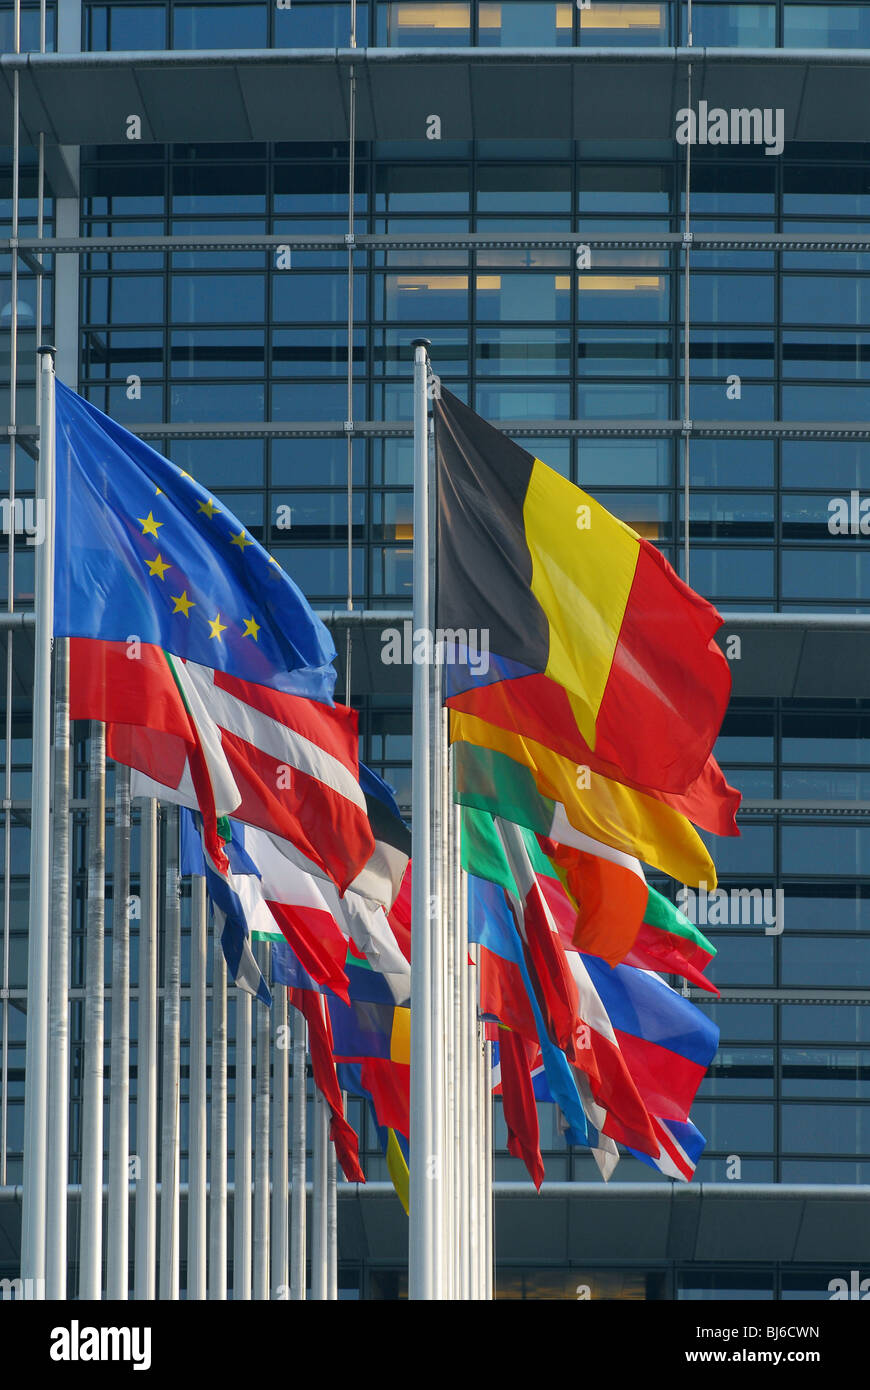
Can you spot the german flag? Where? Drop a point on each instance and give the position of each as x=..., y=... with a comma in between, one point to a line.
x=577, y=610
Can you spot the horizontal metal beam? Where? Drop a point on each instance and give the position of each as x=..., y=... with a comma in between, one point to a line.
x=23, y=618
x=528, y=429
x=284, y=58
x=444, y=241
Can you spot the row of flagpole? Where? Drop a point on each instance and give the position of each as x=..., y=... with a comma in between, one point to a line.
x=104, y=1245
x=450, y=1172
x=450, y=1228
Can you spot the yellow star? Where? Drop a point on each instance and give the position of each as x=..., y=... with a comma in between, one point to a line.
x=158, y=567
x=187, y=475
x=149, y=525
x=217, y=627
x=182, y=603
x=158, y=492
x=251, y=628
x=241, y=540
x=208, y=507
x=273, y=561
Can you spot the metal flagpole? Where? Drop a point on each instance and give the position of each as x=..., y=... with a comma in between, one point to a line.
x=170, y=1137
x=217, y=1235
x=198, y=1127
x=280, y=1241
x=422, y=1231
x=58, y=1118
x=463, y=1055
x=118, y=1215
x=332, y=1220
x=446, y=1052
x=488, y=1209
x=91, y=1242
x=298, y=1151
x=242, y=1163
x=33, y=1231
x=144, y=1278
x=261, y=1183
x=473, y=1175
x=318, y=1204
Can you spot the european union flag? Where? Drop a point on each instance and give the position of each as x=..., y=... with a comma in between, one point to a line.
x=143, y=551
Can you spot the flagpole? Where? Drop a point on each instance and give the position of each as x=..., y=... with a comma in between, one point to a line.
x=489, y=1209
x=318, y=1200
x=169, y=1144
x=242, y=1156
x=33, y=1228
x=58, y=1118
x=280, y=1243
x=198, y=1126
x=261, y=1184
x=144, y=1283
x=463, y=1145
x=473, y=1172
x=118, y=1214
x=298, y=1149
x=422, y=1232
x=217, y=1236
x=91, y=1244
x=332, y=1218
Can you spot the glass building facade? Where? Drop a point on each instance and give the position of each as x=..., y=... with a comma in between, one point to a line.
x=233, y=361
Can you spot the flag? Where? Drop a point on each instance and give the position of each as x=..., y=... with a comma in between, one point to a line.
x=145, y=555
x=312, y=1006
x=620, y=918
x=514, y=777
x=563, y=589
x=680, y=1147
x=394, y=1144
x=238, y=904
x=294, y=761
x=492, y=924
x=518, y=1102
x=381, y=877
x=667, y=1042
x=540, y=709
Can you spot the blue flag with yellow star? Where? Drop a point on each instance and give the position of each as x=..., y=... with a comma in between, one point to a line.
x=142, y=552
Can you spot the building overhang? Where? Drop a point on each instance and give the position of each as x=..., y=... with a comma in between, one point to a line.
x=593, y=1223
x=479, y=93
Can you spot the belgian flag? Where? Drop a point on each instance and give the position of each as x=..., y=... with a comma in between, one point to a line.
x=590, y=632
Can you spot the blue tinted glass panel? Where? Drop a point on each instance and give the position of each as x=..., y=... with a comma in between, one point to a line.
x=735, y=1127
x=733, y=573
x=623, y=298
x=833, y=1129
x=218, y=298
x=632, y=462
x=220, y=26
x=826, y=849
x=733, y=26
x=841, y=574
x=849, y=1023
x=826, y=26
x=815, y=299
x=825, y=960
x=731, y=298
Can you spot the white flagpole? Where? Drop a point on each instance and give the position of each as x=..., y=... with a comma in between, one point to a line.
x=58, y=1119
x=146, y=1063
x=422, y=1236
x=319, y=1166
x=298, y=1224
x=280, y=1241
x=170, y=1136
x=217, y=1236
x=465, y=1054
x=488, y=1273
x=462, y=1148
x=33, y=1230
x=91, y=1244
x=118, y=1215
x=242, y=1157
x=198, y=1127
x=474, y=1187
x=261, y=1183
x=332, y=1221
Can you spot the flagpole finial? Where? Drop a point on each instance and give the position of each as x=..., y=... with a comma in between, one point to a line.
x=46, y=348
x=423, y=343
